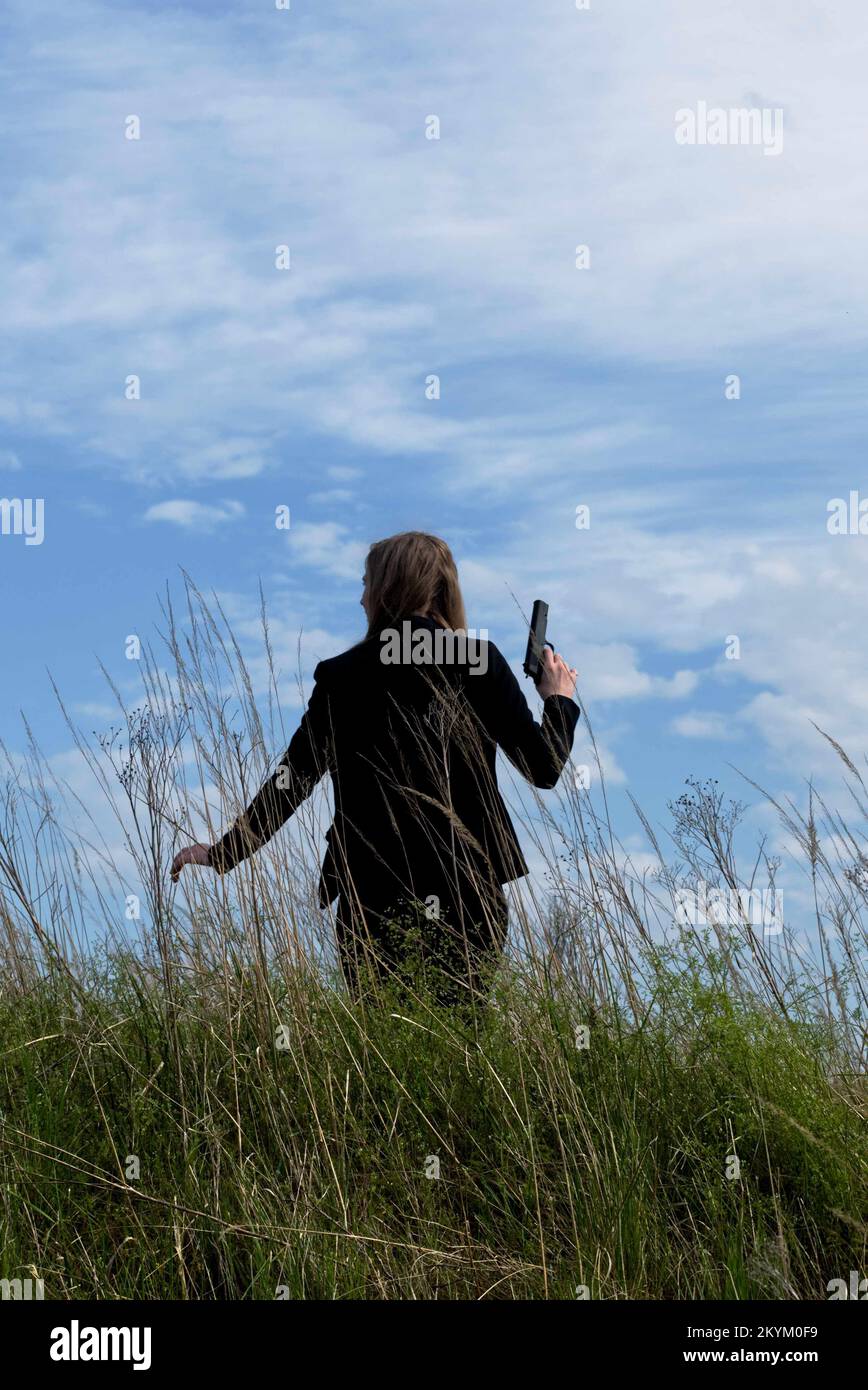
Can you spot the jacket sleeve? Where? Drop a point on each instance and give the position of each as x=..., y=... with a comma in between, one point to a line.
x=539, y=751
x=301, y=768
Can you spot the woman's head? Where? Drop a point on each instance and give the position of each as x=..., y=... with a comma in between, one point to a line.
x=411, y=573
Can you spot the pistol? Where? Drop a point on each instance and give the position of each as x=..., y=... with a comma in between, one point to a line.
x=536, y=640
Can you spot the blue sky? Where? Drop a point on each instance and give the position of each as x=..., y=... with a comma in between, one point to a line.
x=456, y=257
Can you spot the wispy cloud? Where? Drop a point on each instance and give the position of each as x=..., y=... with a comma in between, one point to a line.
x=411, y=257
x=705, y=726
x=194, y=516
x=456, y=258
x=328, y=547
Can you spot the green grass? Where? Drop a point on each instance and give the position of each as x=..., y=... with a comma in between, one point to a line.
x=151, y=1035
x=304, y=1169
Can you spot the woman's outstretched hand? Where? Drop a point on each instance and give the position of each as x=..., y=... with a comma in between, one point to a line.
x=557, y=677
x=193, y=854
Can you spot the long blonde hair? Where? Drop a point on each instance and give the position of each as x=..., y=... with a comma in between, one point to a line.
x=412, y=573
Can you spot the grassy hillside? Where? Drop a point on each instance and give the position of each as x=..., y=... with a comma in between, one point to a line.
x=307, y=1166
x=192, y=1107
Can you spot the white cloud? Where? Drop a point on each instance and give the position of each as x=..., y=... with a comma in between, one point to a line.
x=795, y=600
x=195, y=516
x=95, y=709
x=414, y=256
x=329, y=547
x=411, y=257
x=224, y=458
x=610, y=671
x=710, y=725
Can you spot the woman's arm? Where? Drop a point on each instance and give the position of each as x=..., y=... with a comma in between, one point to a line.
x=539, y=751
x=290, y=784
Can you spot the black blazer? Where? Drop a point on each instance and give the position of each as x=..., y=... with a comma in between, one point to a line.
x=411, y=752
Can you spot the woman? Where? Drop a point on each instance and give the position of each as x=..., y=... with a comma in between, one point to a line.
x=408, y=723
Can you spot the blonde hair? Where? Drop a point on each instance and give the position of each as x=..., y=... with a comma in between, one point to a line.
x=412, y=573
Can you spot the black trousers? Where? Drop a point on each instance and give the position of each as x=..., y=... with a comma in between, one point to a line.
x=449, y=944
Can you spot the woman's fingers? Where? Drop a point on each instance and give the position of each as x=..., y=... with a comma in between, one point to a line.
x=192, y=854
x=184, y=856
x=557, y=677
x=568, y=675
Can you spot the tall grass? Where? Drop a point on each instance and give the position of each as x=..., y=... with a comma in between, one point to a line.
x=191, y=1106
